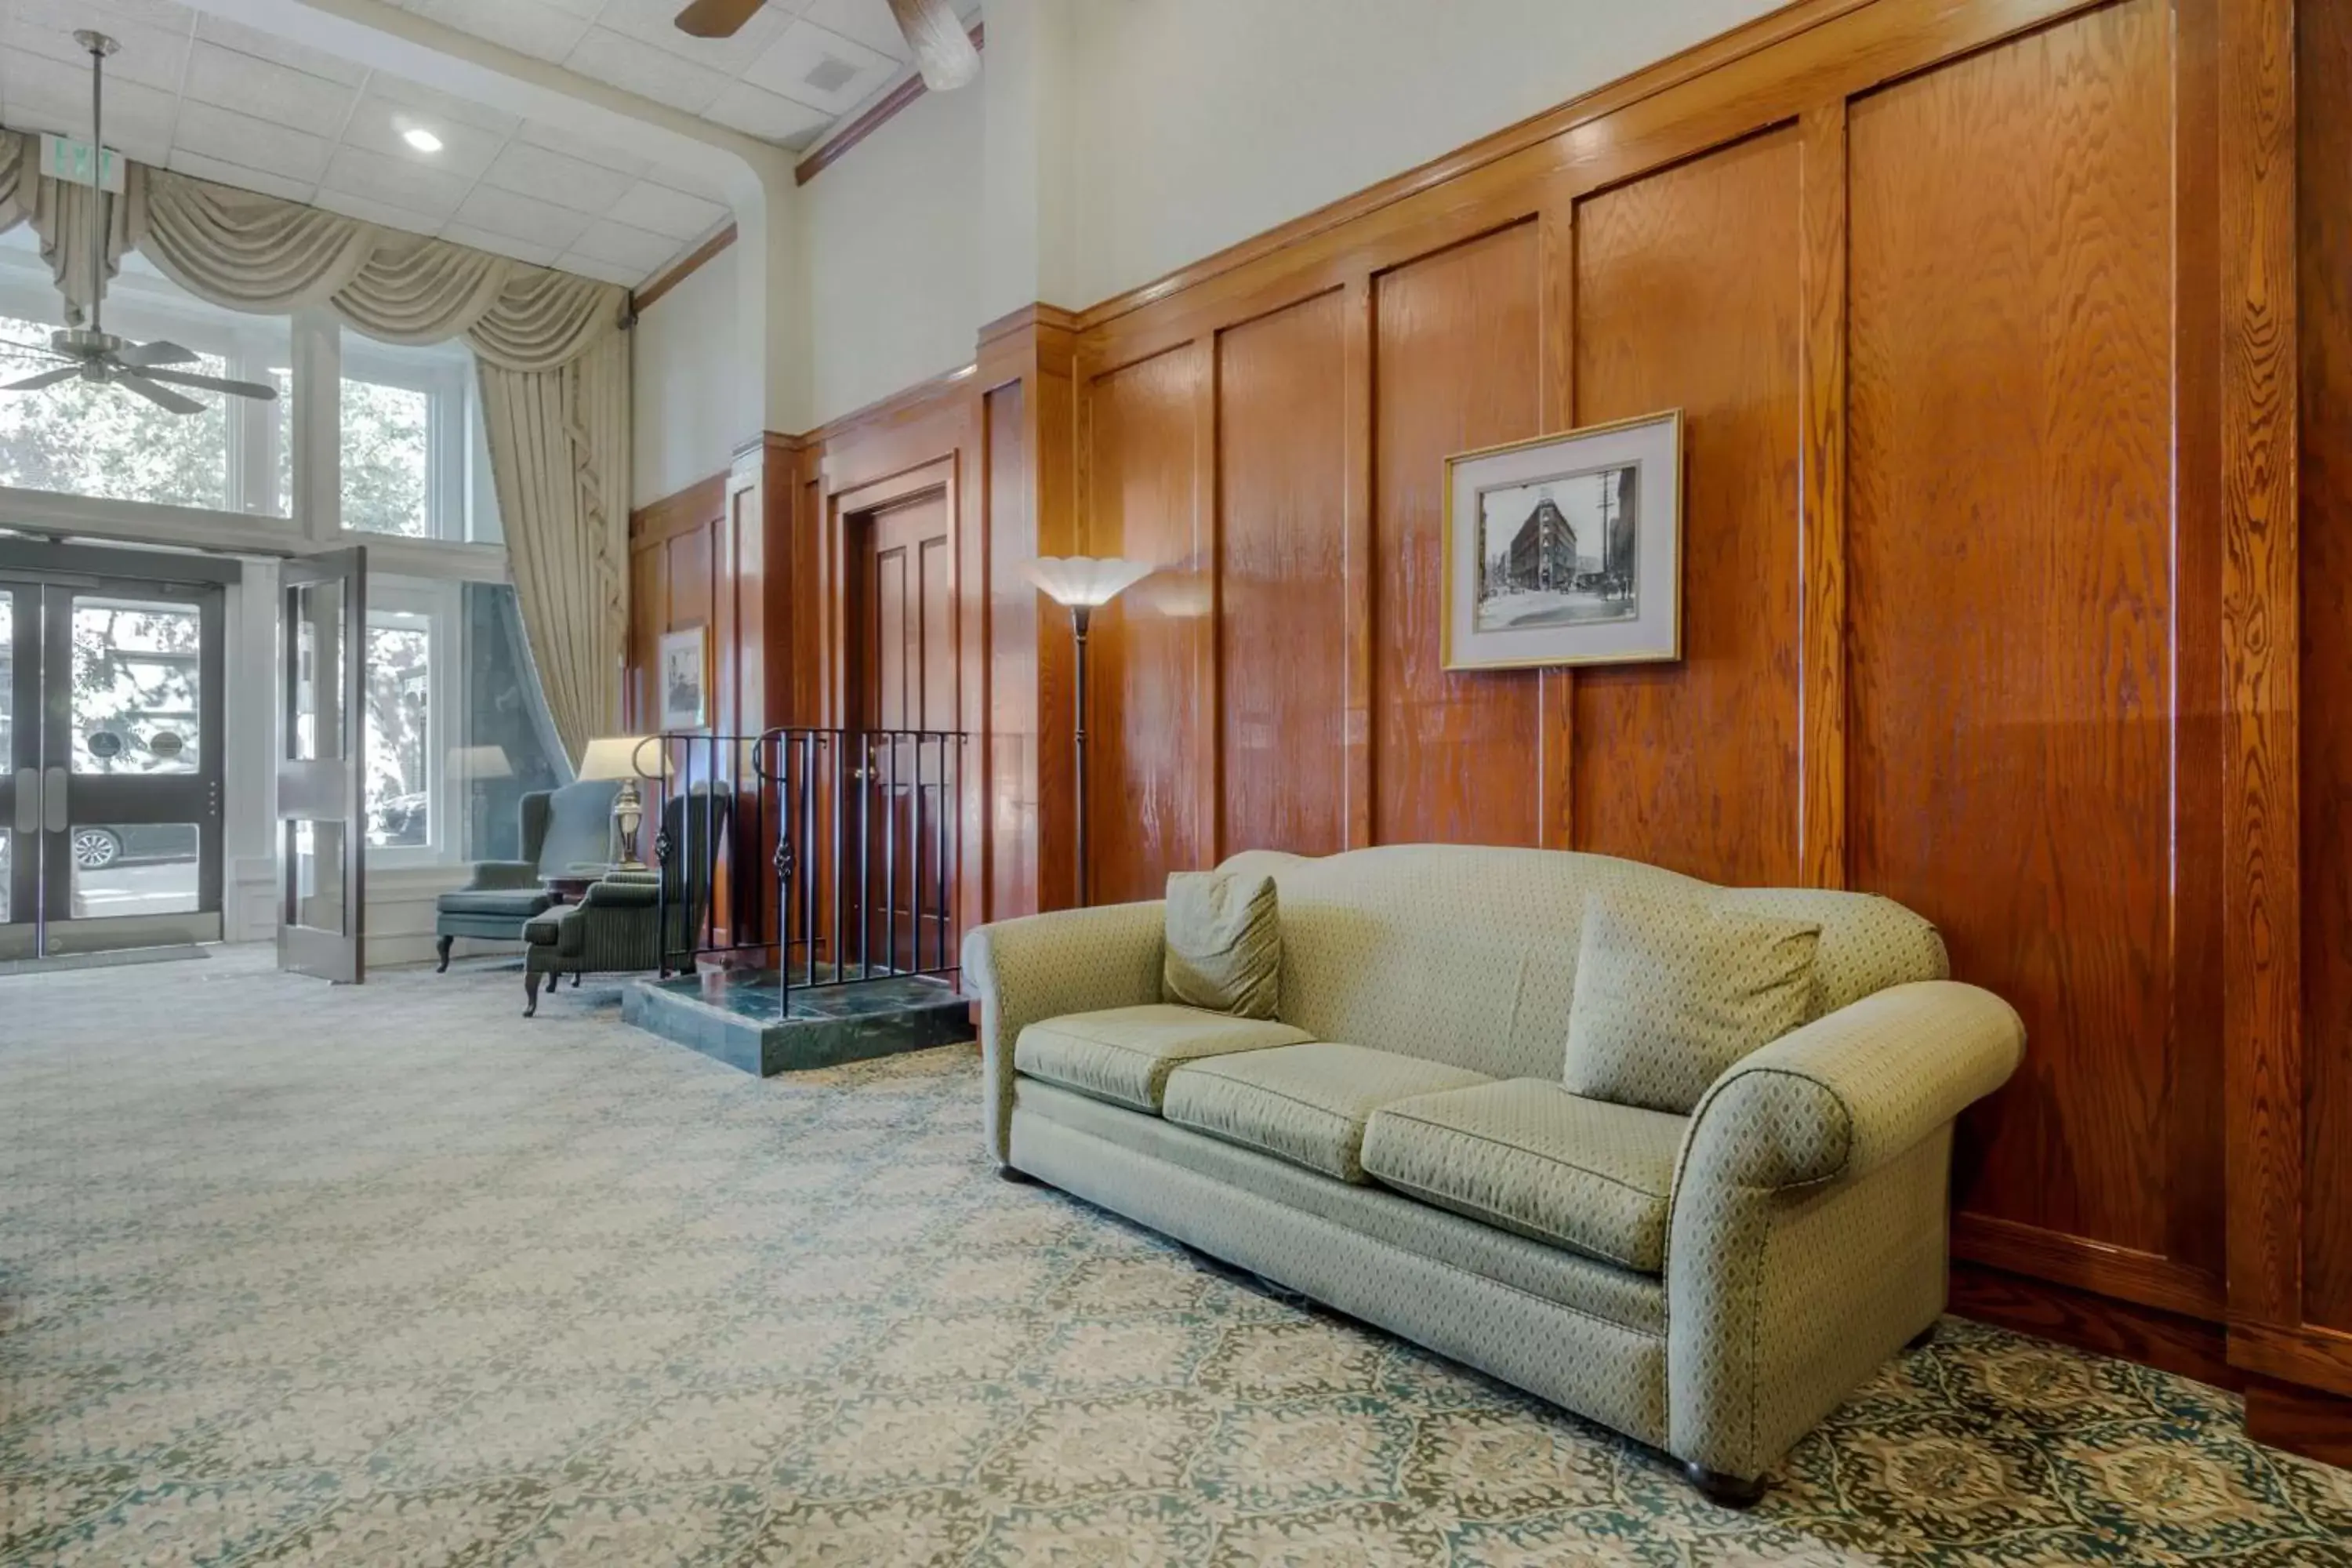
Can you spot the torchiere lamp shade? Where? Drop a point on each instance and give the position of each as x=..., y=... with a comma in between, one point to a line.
x=1084, y=582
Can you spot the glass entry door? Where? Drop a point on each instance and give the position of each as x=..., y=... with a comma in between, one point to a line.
x=111, y=725
x=322, y=766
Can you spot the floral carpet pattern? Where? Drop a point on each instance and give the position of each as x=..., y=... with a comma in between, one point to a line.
x=299, y=1274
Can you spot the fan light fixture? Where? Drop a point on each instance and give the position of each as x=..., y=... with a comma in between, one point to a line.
x=424, y=141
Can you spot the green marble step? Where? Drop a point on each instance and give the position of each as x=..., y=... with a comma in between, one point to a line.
x=732, y=1016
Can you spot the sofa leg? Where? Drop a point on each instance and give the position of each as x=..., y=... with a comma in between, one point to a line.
x=1923, y=1339
x=1017, y=1176
x=441, y=946
x=1728, y=1490
x=530, y=993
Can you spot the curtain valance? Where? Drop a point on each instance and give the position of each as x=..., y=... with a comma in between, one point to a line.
x=252, y=252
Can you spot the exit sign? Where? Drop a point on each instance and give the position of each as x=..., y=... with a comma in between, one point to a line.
x=63, y=158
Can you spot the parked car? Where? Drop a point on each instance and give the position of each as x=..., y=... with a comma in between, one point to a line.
x=96, y=847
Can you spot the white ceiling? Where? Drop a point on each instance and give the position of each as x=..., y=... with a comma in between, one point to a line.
x=221, y=101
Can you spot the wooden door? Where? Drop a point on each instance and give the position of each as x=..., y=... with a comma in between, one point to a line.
x=903, y=697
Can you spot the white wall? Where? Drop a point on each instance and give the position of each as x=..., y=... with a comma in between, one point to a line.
x=688, y=380
x=893, y=255
x=1201, y=122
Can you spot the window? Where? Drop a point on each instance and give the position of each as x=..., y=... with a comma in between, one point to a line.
x=77, y=438
x=413, y=462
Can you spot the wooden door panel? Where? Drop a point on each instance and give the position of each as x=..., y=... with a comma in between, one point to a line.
x=906, y=682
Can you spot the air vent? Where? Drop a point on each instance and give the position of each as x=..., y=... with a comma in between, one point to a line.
x=831, y=74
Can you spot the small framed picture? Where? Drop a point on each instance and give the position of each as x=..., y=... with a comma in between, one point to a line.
x=1567, y=549
x=682, y=672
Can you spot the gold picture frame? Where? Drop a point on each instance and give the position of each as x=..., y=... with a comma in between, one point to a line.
x=1530, y=605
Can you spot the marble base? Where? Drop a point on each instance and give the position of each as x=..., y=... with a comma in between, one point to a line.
x=732, y=1016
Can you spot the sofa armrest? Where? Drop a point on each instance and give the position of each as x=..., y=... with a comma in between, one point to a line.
x=1849, y=1093
x=502, y=876
x=1042, y=966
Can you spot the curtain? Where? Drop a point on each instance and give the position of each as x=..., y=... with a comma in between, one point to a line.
x=553, y=361
x=558, y=445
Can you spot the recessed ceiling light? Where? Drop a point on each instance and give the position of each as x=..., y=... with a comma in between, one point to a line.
x=424, y=141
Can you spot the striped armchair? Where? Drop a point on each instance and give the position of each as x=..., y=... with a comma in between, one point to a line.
x=628, y=920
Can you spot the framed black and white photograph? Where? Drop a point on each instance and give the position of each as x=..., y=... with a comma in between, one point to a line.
x=682, y=670
x=1566, y=549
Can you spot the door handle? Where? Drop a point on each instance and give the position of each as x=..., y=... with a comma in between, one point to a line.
x=53, y=800
x=28, y=800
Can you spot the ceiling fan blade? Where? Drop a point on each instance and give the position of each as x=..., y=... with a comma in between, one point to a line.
x=942, y=48
x=162, y=397
x=45, y=378
x=162, y=352
x=268, y=394
x=717, y=18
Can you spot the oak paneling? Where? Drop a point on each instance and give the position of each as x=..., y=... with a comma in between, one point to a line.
x=1687, y=294
x=1152, y=733
x=1282, y=547
x=1457, y=356
x=1012, y=647
x=2325, y=213
x=2011, y=599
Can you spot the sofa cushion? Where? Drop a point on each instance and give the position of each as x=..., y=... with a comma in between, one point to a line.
x=1671, y=992
x=1533, y=1158
x=1125, y=1054
x=520, y=902
x=1224, y=944
x=1306, y=1103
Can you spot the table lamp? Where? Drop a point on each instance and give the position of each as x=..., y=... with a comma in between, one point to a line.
x=627, y=758
x=1083, y=583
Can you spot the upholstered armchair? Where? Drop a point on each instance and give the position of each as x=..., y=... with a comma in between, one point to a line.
x=628, y=920
x=563, y=831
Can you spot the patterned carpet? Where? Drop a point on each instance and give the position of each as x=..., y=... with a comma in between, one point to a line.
x=295, y=1275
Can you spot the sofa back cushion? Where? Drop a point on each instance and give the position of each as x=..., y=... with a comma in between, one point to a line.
x=1466, y=955
x=1670, y=991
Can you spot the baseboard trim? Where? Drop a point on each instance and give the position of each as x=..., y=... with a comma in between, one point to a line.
x=2126, y=1274
x=2169, y=1342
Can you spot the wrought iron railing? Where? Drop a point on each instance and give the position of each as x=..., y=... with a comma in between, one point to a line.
x=840, y=863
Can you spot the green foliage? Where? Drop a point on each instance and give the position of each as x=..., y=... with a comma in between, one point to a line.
x=385, y=446
x=83, y=439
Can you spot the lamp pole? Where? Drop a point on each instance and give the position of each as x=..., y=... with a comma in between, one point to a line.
x=1078, y=729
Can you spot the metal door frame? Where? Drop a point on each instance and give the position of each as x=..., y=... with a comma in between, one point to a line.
x=327, y=788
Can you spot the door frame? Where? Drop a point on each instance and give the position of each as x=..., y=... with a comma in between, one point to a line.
x=848, y=514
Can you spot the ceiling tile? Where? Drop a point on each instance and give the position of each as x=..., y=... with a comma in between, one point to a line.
x=557, y=177
x=195, y=165
x=758, y=113
x=632, y=67
x=867, y=21
x=818, y=66
x=622, y=246
x=378, y=122
x=529, y=26
x=269, y=47
x=654, y=22
x=602, y=271
x=522, y=218
x=266, y=90
x=354, y=171
x=556, y=138
x=672, y=213
x=253, y=144
x=151, y=54
x=385, y=212
x=43, y=94
x=448, y=105
x=500, y=245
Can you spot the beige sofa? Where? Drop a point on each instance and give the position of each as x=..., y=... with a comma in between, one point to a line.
x=1398, y=1145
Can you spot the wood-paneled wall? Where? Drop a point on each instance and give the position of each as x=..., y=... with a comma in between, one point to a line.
x=1983, y=317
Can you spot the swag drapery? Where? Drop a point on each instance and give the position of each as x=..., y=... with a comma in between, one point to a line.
x=552, y=361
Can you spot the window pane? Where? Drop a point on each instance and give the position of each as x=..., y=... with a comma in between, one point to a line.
x=399, y=679
x=134, y=868
x=137, y=686
x=91, y=439
x=387, y=459
x=502, y=750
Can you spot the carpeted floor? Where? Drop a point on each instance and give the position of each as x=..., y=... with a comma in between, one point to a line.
x=290, y=1274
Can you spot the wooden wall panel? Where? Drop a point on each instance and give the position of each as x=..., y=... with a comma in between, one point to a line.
x=2325, y=213
x=1282, y=625
x=1153, y=730
x=1455, y=756
x=1013, y=626
x=1686, y=295
x=2011, y=602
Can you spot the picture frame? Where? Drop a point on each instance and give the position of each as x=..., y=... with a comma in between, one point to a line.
x=682, y=680
x=1566, y=549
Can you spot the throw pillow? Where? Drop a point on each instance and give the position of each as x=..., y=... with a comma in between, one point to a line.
x=1224, y=944
x=1670, y=993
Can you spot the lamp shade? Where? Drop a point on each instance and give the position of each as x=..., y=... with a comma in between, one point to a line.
x=481, y=763
x=626, y=757
x=1085, y=580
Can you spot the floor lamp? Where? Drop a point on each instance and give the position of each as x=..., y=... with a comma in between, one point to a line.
x=1083, y=583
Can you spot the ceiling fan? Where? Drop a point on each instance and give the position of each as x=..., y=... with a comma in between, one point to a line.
x=931, y=29
x=94, y=354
